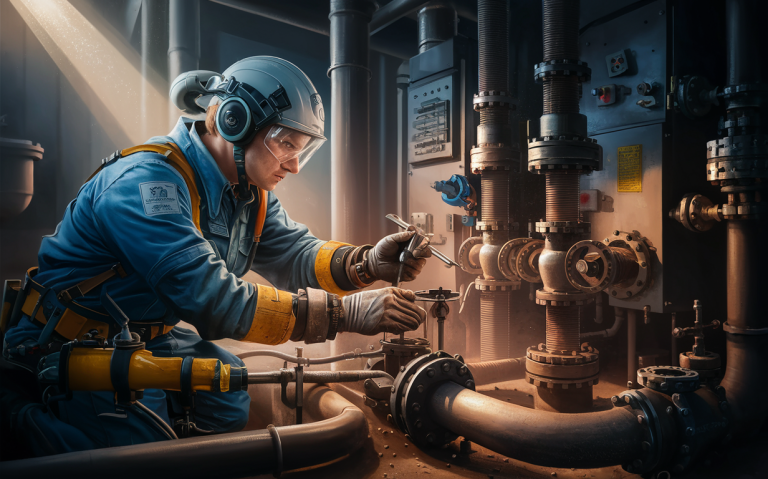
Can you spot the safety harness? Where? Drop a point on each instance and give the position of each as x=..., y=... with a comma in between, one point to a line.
x=60, y=313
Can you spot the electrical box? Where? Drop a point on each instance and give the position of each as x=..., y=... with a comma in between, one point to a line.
x=436, y=104
x=652, y=155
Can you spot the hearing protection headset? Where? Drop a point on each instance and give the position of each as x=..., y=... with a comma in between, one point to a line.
x=242, y=112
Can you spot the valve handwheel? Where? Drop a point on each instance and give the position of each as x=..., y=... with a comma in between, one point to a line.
x=589, y=266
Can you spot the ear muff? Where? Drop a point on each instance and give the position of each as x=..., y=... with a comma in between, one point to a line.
x=234, y=119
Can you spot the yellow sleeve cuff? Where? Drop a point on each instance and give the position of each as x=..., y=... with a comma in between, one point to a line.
x=273, y=321
x=323, y=268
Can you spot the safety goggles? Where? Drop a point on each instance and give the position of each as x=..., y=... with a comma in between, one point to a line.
x=285, y=144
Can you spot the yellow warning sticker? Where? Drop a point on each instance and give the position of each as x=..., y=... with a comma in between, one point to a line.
x=630, y=169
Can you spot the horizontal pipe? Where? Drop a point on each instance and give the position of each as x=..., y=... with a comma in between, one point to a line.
x=620, y=317
x=306, y=361
x=315, y=20
x=489, y=372
x=589, y=440
x=315, y=377
x=233, y=455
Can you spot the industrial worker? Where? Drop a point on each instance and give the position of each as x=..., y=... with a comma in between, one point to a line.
x=163, y=233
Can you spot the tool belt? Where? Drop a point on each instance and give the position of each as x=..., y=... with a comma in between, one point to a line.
x=61, y=317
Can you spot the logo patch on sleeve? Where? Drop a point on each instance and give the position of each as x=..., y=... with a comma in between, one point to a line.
x=159, y=198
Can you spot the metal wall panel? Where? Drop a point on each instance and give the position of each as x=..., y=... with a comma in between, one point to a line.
x=643, y=32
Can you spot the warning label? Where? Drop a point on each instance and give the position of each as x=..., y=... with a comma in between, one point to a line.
x=630, y=169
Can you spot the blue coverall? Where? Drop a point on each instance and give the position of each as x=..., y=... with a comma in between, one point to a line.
x=137, y=211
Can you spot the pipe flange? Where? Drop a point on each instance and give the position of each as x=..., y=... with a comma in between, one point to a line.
x=401, y=382
x=584, y=370
x=668, y=379
x=562, y=68
x=652, y=429
x=420, y=381
x=493, y=98
x=743, y=211
x=709, y=361
x=589, y=266
x=497, y=226
x=746, y=120
x=642, y=248
x=734, y=157
x=469, y=261
x=540, y=354
x=564, y=153
x=550, y=383
x=508, y=257
x=576, y=227
x=565, y=298
x=693, y=213
x=496, y=285
x=490, y=156
x=732, y=91
x=686, y=423
x=719, y=169
x=748, y=331
x=527, y=261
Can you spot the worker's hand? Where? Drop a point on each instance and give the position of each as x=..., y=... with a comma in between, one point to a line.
x=390, y=310
x=384, y=258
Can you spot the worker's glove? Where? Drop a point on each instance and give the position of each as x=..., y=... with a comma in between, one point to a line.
x=383, y=261
x=390, y=310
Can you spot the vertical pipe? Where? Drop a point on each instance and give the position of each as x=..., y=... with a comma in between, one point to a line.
x=742, y=44
x=494, y=130
x=437, y=23
x=631, y=348
x=563, y=329
x=403, y=81
x=744, y=280
x=441, y=334
x=183, y=42
x=154, y=17
x=350, y=135
x=745, y=380
x=494, y=325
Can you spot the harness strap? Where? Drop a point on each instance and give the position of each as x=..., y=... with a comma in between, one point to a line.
x=76, y=320
x=176, y=159
x=119, y=367
x=83, y=287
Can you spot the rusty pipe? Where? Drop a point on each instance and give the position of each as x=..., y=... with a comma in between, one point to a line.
x=233, y=455
x=489, y=372
x=595, y=439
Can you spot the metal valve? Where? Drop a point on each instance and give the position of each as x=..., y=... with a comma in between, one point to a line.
x=696, y=212
x=706, y=363
x=621, y=265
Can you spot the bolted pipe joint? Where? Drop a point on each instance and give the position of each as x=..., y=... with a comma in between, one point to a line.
x=696, y=213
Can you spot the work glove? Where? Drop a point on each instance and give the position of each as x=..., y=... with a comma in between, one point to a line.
x=390, y=310
x=384, y=258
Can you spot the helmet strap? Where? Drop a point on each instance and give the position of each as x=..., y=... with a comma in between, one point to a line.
x=243, y=189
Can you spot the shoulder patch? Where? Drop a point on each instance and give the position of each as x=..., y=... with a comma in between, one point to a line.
x=159, y=198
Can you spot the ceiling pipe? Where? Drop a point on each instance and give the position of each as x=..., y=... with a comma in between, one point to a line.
x=233, y=455
x=315, y=19
x=183, y=42
x=437, y=23
x=397, y=9
x=350, y=119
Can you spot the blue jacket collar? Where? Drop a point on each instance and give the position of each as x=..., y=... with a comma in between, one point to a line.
x=214, y=183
